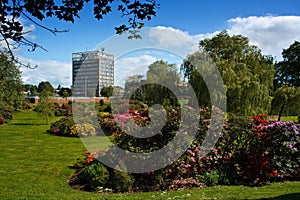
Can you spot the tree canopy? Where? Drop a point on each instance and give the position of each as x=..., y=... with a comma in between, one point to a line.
x=45, y=107
x=32, y=89
x=286, y=101
x=156, y=88
x=247, y=74
x=11, y=12
x=10, y=82
x=161, y=80
x=288, y=70
x=45, y=87
x=107, y=91
x=64, y=92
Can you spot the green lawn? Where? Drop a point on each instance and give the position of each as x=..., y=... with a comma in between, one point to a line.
x=35, y=165
x=284, y=118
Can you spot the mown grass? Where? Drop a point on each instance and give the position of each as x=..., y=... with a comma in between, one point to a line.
x=285, y=118
x=36, y=165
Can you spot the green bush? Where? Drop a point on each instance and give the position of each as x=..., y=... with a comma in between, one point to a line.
x=211, y=178
x=121, y=181
x=96, y=175
x=62, y=127
x=63, y=110
x=6, y=113
x=225, y=178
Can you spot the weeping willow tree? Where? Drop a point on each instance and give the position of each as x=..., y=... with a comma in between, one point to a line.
x=286, y=101
x=247, y=74
x=161, y=79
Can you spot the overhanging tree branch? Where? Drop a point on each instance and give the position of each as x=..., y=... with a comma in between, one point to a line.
x=11, y=27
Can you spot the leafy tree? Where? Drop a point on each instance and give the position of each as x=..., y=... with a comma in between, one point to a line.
x=247, y=74
x=156, y=88
x=65, y=92
x=288, y=70
x=189, y=66
x=31, y=88
x=35, y=11
x=45, y=107
x=132, y=86
x=107, y=91
x=161, y=80
x=45, y=87
x=10, y=82
x=286, y=101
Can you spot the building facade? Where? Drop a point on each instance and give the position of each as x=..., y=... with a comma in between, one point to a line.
x=91, y=71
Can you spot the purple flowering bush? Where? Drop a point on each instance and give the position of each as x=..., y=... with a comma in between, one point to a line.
x=281, y=142
x=256, y=152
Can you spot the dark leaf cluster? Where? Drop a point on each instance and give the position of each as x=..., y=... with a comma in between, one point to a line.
x=288, y=70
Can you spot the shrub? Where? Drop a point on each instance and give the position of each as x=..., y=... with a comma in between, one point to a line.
x=121, y=181
x=66, y=127
x=93, y=175
x=63, y=110
x=211, y=178
x=256, y=152
x=6, y=113
x=107, y=124
x=2, y=121
x=63, y=127
x=96, y=175
x=281, y=145
x=83, y=130
x=225, y=178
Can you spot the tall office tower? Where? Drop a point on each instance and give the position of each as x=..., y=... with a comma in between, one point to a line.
x=92, y=71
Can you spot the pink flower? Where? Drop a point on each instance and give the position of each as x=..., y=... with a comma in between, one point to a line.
x=192, y=159
x=56, y=130
x=196, y=150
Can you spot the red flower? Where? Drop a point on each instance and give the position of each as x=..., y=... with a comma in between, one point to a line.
x=257, y=133
x=273, y=173
x=264, y=163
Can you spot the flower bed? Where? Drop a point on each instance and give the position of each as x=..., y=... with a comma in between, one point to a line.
x=248, y=152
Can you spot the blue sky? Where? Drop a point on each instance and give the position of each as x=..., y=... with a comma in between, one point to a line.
x=269, y=24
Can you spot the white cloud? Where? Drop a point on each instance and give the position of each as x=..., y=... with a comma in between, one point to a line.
x=270, y=33
x=168, y=37
x=55, y=72
x=128, y=66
